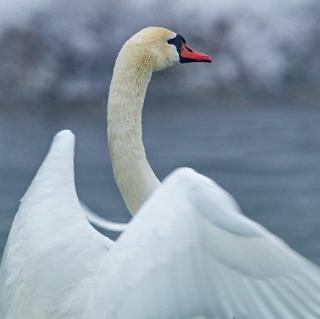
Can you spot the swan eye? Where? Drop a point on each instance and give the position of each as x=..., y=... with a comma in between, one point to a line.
x=177, y=41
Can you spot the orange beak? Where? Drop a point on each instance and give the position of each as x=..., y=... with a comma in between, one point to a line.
x=188, y=55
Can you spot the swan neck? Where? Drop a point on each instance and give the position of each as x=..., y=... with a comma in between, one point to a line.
x=133, y=174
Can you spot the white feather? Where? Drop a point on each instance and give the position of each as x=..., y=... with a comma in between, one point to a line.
x=188, y=253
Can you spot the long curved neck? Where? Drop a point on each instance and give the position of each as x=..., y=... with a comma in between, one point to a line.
x=133, y=174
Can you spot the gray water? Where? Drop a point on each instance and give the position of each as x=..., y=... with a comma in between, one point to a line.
x=266, y=157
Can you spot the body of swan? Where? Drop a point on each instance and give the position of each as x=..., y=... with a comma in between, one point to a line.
x=188, y=253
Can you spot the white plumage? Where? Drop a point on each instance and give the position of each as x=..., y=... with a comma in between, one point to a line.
x=189, y=252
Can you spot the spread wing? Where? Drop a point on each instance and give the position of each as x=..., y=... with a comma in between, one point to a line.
x=52, y=253
x=191, y=253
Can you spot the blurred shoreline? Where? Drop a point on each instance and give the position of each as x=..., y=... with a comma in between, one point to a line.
x=62, y=55
x=306, y=98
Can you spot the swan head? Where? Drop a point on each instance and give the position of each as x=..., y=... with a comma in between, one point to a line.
x=163, y=48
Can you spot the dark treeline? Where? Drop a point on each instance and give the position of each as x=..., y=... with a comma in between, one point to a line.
x=63, y=55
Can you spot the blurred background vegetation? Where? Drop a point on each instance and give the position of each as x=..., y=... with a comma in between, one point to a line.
x=61, y=53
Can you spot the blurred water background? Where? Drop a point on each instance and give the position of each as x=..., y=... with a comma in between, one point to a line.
x=250, y=120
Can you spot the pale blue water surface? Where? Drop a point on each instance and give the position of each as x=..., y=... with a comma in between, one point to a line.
x=266, y=157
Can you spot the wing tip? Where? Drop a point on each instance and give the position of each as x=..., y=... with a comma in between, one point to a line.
x=64, y=135
x=189, y=177
x=65, y=132
x=184, y=172
x=62, y=143
x=56, y=172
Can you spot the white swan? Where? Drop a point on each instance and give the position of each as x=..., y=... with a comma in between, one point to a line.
x=188, y=253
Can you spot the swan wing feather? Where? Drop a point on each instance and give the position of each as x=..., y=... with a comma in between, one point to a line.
x=52, y=251
x=191, y=253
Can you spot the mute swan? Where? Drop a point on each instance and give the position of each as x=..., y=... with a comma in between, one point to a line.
x=188, y=253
